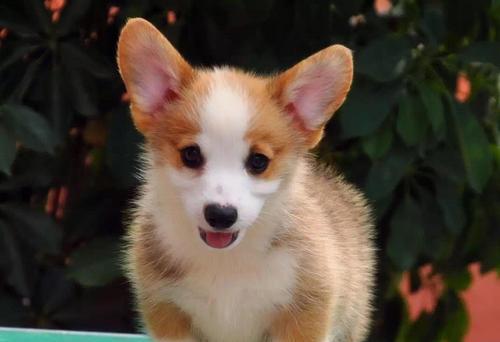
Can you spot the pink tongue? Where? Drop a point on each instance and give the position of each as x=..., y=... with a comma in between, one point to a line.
x=219, y=240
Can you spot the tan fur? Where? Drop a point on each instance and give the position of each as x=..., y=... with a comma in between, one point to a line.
x=166, y=321
x=177, y=126
x=316, y=217
x=335, y=207
x=129, y=70
x=309, y=316
x=155, y=262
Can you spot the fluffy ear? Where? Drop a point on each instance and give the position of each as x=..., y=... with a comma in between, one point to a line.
x=312, y=90
x=152, y=69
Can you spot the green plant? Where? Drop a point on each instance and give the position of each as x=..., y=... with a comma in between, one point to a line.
x=428, y=163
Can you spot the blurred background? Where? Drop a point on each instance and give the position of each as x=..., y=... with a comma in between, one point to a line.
x=419, y=134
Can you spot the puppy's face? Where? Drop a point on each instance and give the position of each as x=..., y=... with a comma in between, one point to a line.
x=218, y=146
x=226, y=139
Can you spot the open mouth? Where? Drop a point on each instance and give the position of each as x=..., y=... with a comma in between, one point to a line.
x=218, y=240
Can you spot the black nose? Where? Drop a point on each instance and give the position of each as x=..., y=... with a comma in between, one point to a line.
x=220, y=217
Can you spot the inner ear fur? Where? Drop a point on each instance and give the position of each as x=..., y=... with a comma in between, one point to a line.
x=311, y=91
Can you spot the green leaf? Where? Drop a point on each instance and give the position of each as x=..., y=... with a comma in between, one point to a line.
x=71, y=15
x=381, y=206
x=31, y=128
x=7, y=150
x=33, y=170
x=407, y=236
x=89, y=216
x=384, y=59
x=450, y=202
x=18, y=51
x=366, y=108
x=39, y=14
x=447, y=163
x=386, y=173
x=122, y=149
x=350, y=7
x=438, y=245
x=458, y=280
x=433, y=106
x=432, y=24
x=81, y=93
x=490, y=255
x=34, y=227
x=59, y=114
x=15, y=22
x=76, y=57
x=457, y=320
x=12, y=311
x=423, y=329
x=476, y=153
x=55, y=290
x=377, y=145
x=17, y=275
x=411, y=123
x=482, y=52
x=28, y=77
x=463, y=17
x=95, y=264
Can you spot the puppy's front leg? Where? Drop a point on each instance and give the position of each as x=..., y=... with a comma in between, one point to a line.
x=165, y=322
x=310, y=323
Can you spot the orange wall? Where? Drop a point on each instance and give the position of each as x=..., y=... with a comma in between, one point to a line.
x=482, y=300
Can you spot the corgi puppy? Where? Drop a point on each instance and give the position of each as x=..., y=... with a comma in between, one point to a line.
x=236, y=235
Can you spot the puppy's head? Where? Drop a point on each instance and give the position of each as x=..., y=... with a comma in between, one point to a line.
x=226, y=139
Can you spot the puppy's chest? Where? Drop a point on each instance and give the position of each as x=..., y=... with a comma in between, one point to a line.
x=231, y=303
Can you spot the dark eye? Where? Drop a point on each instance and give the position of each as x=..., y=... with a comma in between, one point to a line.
x=191, y=157
x=257, y=163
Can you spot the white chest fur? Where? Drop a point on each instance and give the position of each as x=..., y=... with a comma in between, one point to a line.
x=233, y=301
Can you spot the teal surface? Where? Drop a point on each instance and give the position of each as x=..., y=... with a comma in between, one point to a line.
x=28, y=335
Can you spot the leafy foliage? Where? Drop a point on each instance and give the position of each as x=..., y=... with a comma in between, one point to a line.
x=427, y=159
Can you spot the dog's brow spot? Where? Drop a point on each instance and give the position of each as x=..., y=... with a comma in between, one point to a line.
x=219, y=189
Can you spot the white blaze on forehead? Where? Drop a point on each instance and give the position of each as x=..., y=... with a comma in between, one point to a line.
x=224, y=117
x=226, y=111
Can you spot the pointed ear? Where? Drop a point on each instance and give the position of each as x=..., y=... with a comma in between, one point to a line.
x=152, y=69
x=312, y=90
